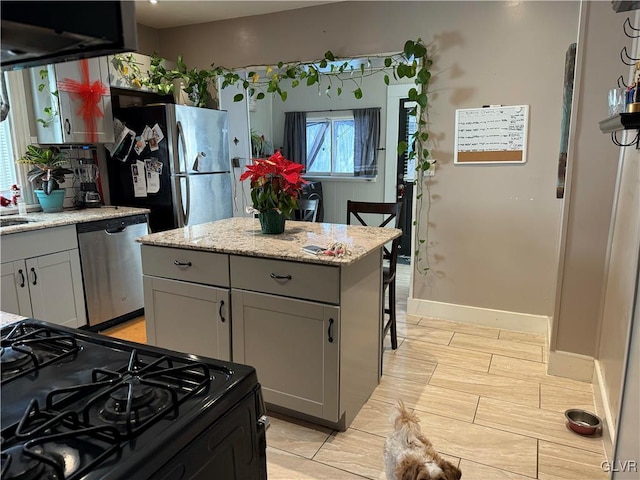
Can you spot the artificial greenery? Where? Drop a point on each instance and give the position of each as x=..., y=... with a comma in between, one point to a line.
x=51, y=111
x=412, y=63
x=47, y=167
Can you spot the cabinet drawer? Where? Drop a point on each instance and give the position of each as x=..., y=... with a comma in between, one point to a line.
x=292, y=279
x=188, y=265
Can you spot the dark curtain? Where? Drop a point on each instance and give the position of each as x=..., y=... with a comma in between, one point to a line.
x=367, y=137
x=294, y=147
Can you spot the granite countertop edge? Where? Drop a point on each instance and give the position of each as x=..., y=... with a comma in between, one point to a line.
x=41, y=220
x=241, y=236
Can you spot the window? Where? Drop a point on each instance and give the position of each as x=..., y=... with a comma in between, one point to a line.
x=14, y=138
x=7, y=167
x=330, y=145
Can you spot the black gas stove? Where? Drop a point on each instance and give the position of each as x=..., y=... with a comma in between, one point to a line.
x=79, y=405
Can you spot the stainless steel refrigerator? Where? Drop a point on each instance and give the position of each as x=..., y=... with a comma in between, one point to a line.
x=185, y=177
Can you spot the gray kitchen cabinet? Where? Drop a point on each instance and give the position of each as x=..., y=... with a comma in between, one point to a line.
x=208, y=332
x=42, y=277
x=186, y=301
x=58, y=112
x=294, y=346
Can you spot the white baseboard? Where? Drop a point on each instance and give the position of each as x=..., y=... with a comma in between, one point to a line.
x=519, y=322
x=570, y=365
x=603, y=409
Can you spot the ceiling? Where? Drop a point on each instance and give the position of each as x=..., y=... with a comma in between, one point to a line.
x=176, y=13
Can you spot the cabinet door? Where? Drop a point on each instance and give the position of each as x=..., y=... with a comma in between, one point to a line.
x=55, y=285
x=14, y=296
x=187, y=317
x=294, y=346
x=84, y=120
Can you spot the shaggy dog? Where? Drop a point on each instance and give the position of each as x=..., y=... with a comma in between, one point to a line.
x=409, y=455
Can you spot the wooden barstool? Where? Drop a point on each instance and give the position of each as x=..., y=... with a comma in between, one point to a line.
x=391, y=212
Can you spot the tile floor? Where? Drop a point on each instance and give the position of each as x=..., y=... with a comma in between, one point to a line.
x=483, y=398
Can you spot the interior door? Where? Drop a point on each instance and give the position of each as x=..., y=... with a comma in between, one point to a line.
x=406, y=175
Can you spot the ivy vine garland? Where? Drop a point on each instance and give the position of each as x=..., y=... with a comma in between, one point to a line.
x=412, y=63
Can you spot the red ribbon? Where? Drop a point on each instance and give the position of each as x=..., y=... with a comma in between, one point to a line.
x=89, y=95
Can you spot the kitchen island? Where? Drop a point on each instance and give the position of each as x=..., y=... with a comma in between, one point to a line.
x=310, y=324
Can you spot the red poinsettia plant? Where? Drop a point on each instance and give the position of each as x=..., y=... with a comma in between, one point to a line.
x=275, y=184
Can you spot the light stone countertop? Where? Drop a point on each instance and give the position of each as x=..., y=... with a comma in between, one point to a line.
x=242, y=236
x=9, y=318
x=40, y=220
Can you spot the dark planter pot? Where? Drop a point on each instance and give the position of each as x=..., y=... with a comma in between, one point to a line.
x=272, y=222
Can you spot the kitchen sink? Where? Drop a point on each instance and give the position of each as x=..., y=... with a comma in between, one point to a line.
x=10, y=222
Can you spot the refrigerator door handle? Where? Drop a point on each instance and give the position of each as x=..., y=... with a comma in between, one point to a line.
x=188, y=205
x=181, y=143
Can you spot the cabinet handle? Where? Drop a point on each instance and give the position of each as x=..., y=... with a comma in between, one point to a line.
x=67, y=124
x=281, y=277
x=220, y=311
x=35, y=276
x=182, y=264
x=329, y=332
x=21, y=278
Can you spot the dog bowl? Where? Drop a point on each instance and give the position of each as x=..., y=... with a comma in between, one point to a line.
x=582, y=422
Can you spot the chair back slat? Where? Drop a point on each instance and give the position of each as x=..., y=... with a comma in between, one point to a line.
x=307, y=210
x=391, y=211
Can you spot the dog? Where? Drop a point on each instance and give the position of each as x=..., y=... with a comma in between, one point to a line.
x=409, y=455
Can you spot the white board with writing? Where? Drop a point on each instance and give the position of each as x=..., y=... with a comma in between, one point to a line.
x=491, y=135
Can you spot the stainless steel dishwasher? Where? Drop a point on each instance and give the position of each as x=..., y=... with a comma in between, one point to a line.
x=112, y=269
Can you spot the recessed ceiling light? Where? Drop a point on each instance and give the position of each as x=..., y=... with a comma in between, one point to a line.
x=153, y=1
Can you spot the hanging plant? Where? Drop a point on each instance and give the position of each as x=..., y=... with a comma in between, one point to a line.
x=412, y=63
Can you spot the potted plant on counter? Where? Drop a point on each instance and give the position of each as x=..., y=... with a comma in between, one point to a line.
x=275, y=187
x=47, y=172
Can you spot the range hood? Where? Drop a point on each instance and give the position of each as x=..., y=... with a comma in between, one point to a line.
x=45, y=32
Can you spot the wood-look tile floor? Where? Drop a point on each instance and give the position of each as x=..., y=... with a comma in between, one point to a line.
x=483, y=397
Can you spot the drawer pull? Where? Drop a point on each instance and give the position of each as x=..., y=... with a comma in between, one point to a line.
x=281, y=277
x=21, y=278
x=182, y=264
x=220, y=311
x=35, y=276
x=329, y=332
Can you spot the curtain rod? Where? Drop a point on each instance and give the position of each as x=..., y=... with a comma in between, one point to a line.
x=330, y=110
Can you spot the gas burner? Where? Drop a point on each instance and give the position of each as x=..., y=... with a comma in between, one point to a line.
x=26, y=348
x=47, y=445
x=146, y=391
x=18, y=465
x=135, y=402
x=15, y=360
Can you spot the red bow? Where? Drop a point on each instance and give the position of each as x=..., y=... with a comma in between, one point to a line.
x=89, y=94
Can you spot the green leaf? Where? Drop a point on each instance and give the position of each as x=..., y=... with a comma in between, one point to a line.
x=409, y=48
x=260, y=96
x=47, y=110
x=329, y=56
x=419, y=196
x=39, y=120
x=357, y=93
x=283, y=96
x=387, y=62
x=323, y=63
x=238, y=97
x=339, y=91
x=413, y=94
x=362, y=68
x=311, y=79
x=402, y=148
x=424, y=136
x=280, y=64
x=41, y=87
x=295, y=83
x=421, y=241
x=43, y=73
x=423, y=76
x=419, y=50
x=422, y=100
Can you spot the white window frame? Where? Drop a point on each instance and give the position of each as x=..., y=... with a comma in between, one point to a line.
x=332, y=118
x=20, y=133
